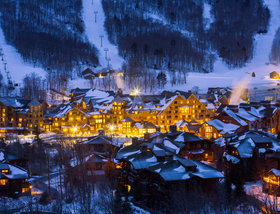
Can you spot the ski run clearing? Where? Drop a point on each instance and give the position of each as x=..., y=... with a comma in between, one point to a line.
x=94, y=18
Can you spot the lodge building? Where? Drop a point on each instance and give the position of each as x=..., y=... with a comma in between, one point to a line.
x=116, y=114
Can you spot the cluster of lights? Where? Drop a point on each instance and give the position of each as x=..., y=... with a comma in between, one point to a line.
x=271, y=181
x=135, y=91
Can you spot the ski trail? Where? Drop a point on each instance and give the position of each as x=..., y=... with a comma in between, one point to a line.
x=94, y=28
x=225, y=77
x=17, y=67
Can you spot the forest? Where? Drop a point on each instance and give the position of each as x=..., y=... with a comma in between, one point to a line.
x=172, y=37
x=48, y=33
x=172, y=34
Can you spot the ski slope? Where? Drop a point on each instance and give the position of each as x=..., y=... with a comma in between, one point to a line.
x=94, y=28
x=223, y=76
x=17, y=67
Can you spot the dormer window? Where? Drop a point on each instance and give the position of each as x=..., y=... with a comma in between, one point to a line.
x=5, y=171
x=140, y=107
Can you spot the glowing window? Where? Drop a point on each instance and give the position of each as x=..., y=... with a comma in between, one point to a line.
x=24, y=189
x=3, y=182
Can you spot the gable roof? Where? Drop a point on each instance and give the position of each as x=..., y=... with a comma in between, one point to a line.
x=127, y=120
x=234, y=116
x=99, y=140
x=13, y=102
x=34, y=102
x=222, y=127
x=15, y=172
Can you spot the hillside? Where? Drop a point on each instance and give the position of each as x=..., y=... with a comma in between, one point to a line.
x=146, y=39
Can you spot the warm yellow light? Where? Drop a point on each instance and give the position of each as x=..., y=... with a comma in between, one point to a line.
x=135, y=92
x=128, y=187
x=271, y=181
x=74, y=129
x=3, y=182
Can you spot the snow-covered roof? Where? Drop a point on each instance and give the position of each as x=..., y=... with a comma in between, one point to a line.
x=61, y=110
x=172, y=169
x=245, y=115
x=276, y=172
x=98, y=96
x=235, y=117
x=181, y=123
x=15, y=172
x=232, y=159
x=245, y=148
x=100, y=139
x=222, y=127
x=12, y=102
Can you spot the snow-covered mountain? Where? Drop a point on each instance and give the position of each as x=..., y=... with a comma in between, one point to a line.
x=147, y=39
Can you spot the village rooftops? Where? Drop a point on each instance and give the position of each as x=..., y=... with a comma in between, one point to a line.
x=92, y=158
x=235, y=117
x=275, y=172
x=223, y=128
x=245, y=115
x=248, y=141
x=127, y=120
x=34, y=102
x=188, y=137
x=15, y=172
x=175, y=168
x=102, y=140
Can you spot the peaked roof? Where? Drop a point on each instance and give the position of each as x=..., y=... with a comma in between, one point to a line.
x=34, y=102
x=13, y=102
x=127, y=119
x=222, y=127
x=235, y=117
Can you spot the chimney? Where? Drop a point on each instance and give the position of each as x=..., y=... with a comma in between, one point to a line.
x=134, y=140
x=190, y=91
x=100, y=132
x=158, y=128
x=146, y=136
x=120, y=92
x=172, y=128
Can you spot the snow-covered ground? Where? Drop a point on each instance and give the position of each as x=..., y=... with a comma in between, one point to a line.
x=223, y=76
x=94, y=28
x=17, y=67
x=255, y=189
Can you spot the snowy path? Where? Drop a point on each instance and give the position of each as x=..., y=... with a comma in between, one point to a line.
x=96, y=29
x=223, y=76
x=17, y=67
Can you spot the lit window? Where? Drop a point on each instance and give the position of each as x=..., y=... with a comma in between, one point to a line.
x=20, y=119
x=5, y=171
x=24, y=189
x=3, y=182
